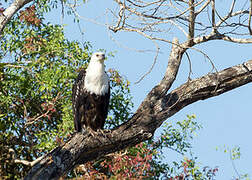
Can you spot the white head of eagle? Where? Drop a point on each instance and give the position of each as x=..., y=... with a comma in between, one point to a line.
x=90, y=96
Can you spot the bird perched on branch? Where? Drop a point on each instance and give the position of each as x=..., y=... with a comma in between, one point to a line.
x=90, y=96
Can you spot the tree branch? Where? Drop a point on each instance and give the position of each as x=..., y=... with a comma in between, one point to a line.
x=82, y=148
x=171, y=70
x=24, y=162
x=191, y=23
x=10, y=11
x=205, y=87
x=218, y=36
x=213, y=16
x=249, y=19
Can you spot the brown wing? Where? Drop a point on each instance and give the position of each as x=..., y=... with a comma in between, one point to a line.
x=77, y=100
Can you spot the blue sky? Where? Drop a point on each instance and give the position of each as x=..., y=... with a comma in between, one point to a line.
x=226, y=119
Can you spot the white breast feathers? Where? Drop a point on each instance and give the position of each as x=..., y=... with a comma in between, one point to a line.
x=96, y=80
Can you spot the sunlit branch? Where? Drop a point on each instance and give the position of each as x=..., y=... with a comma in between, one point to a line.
x=218, y=36
x=120, y=20
x=213, y=15
x=249, y=20
x=24, y=162
x=7, y=14
x=202, y=7
x=229, y=16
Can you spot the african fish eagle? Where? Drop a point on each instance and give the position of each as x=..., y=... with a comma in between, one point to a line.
x=90, y=96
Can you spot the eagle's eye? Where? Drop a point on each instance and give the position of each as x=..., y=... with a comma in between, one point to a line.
x=97, y=55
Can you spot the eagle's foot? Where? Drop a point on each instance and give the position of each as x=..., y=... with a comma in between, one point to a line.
x=98, y=132
x=107, y=130
x=92, y=132
x=103, y=131
x=106, y=133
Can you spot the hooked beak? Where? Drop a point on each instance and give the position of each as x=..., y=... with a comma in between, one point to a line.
x=103, y=56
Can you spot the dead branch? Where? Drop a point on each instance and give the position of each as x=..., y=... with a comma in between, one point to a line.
x=24, y=162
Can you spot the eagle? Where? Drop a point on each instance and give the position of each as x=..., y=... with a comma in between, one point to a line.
x=90, y=95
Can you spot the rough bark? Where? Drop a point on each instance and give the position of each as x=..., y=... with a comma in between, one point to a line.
x=156, y=108
x=10, y=11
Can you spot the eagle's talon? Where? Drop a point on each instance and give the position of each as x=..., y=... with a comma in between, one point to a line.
x=107, y=130
x=91, y=132
x=100, y=131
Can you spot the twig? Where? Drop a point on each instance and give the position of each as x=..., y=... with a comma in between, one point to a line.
x=190, y=66
x=202, y=7
x=233, y=164
x=152, y=66
x=24, y=162
x=213, y=16
x=249, y=20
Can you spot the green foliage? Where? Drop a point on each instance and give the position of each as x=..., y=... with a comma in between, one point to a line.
x=234, y=155
x=120, y=100
x=178, y=136
x=127, y=164
x=37, y=69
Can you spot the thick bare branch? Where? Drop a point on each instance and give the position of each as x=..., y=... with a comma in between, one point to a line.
x=82, y=148
x=172, y=68
x=10, y=11
x=205, y=87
